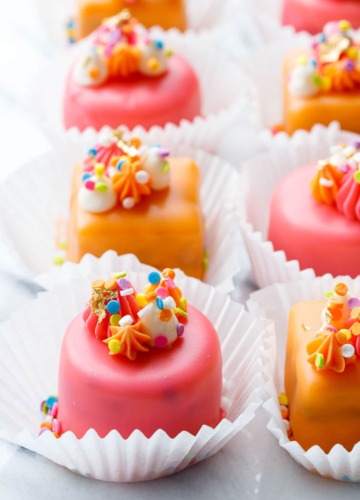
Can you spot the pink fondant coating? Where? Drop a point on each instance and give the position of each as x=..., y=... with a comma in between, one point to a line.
x=174, y=389
x=136, y=100
x=315, y=234
x=312, y=15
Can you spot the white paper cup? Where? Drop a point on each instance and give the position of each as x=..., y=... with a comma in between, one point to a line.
x=37, y=195
x=274, y=303
x=30, y=343
x=260, y=175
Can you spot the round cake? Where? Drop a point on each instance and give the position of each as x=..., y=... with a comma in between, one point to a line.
x=142, y=361
x=320, y=227
x=311, y=15
x=128, y=77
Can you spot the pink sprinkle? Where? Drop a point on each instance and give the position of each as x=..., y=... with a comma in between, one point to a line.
x=170, y=283
x=54, y=410
x=162, y=292
x=90, y=185
x=354, y=302
x=56, y=426
x=161, y=341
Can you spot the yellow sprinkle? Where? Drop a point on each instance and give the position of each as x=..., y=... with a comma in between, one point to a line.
x=302, y=60
x=177, y=310
x=346, y=332
x=305, y=327
x=153, y=64
x=344, y=25
x=183, y=303
x=283, y=400
x=114, y=346
x=140, y=299
x=355, y=329
x=352, y=52
x=63, y=245
x=325, y=83
x=99, y=169
x=122, y=274
x=59, y=259
x=114, y=319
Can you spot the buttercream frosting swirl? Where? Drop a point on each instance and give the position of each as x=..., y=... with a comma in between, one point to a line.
x=121, y=171
x=130, y=322
x=332, y=63
x=119, y=48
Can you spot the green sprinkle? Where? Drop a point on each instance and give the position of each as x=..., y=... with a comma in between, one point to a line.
x=205, y=261
x=101, y=187
x=63, y=245
x=165, y=168
x=177, y=310
x=329, y=294
x=169, y=53
x=122, y=274
x=357, y=176
x=319, y=360
x=58, y=260
x=317, y=80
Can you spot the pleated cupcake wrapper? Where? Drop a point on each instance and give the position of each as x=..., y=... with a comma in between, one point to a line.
x=37, y=195
x=205, y=17
x=260, y=176
x=229, y=97
x=30, y=344
x=273, y=304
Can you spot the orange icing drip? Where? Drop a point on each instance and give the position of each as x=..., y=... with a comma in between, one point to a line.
x=327, y=345
x=131, y=340
x=324, y=193
x=340, y=78
x=125, y=183
x=124, y=60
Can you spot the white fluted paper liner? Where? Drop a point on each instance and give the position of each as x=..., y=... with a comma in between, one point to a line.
x=274, y=303
x=260, y=175
x=30, y=345
x=201, y=16
x=36, y=196
x=229, y=97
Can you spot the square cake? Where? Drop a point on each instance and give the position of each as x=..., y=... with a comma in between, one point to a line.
x=144, y=224
x=165, y=13
x=322, y=371
x=322, y=83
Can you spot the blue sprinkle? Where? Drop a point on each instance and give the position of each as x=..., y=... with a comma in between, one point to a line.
x=87, y=175
x=154, y=278
x=70, y=23
x=159, y=302
x=92, y=152
x=113, y=306
x=159, y=44
x=50, y=401
x=322, y=37
x=120, y=163
x=313, y=63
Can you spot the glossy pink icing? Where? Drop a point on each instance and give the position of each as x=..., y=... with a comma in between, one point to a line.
x=175, y=389
x=315, y=234
x=136, y=100
x=348, y=197
x=312, y=15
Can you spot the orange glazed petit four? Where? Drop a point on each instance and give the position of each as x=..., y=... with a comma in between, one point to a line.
x=322, y=371
x=165, y=13
x=136, y=199
x=322, y=84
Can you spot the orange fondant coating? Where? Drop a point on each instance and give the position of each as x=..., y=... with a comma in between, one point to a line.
x=165, y=13
x=305, y=112
x=324, y=405
x=164, y=229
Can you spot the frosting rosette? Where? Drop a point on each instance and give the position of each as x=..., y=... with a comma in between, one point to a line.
x=119, y=48
x=337, y=180
x=330, y=65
